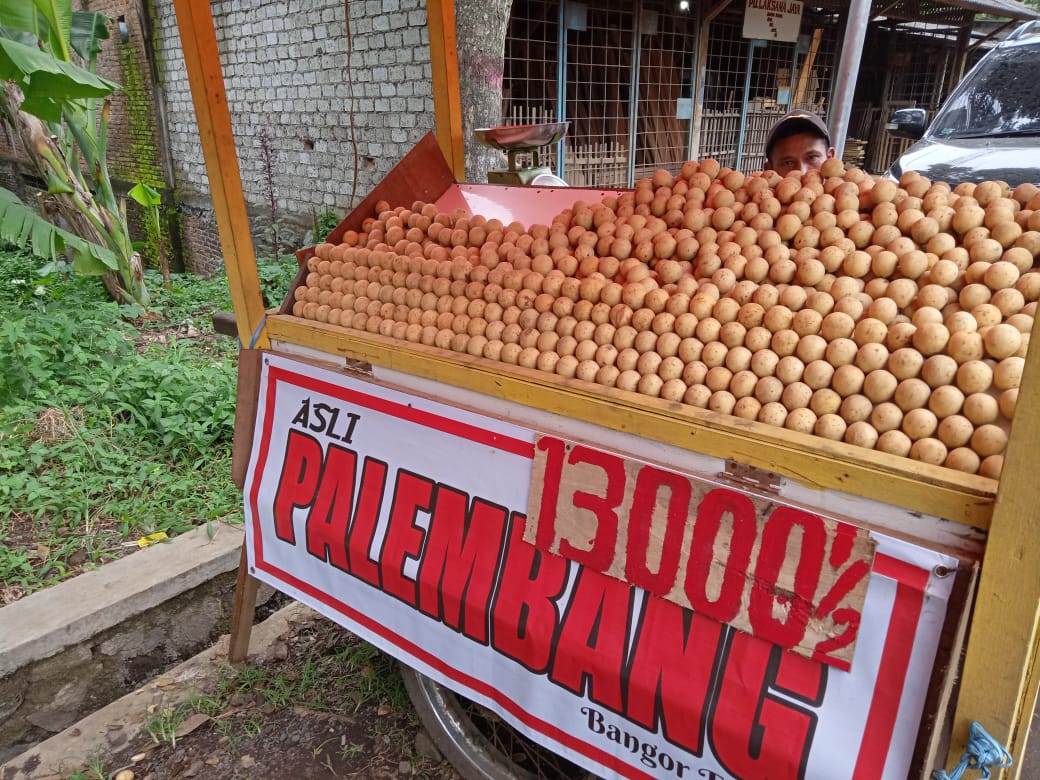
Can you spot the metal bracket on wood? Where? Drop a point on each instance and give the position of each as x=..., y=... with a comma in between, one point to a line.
x=357, y=367
x=748, y=476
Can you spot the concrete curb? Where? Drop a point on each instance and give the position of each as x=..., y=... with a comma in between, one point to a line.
x=46, y=622
x=116, y=725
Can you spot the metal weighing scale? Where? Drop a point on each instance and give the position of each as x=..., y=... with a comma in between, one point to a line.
x=518, y=139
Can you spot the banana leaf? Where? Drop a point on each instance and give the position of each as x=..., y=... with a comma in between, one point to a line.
x=88, y=30
x=22, y=226
x=56, y=185
x=58, y=14
x=38, y=72
x=46, y=82
x=145, y=194
x=22, y=16
x=22, y=23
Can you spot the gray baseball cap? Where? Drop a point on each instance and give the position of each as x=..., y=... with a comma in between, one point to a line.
x=793, y=123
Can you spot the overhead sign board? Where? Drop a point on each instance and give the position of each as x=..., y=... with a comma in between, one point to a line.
x=773, y=20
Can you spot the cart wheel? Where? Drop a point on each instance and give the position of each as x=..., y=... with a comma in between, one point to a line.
x=479, y=744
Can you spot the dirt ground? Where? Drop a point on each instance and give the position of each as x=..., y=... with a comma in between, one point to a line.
x=326, y=706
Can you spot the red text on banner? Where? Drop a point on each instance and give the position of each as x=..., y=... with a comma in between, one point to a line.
x=786, y=575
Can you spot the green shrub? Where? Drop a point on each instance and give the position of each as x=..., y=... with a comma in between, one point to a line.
x=113, y=425
x=276, y=278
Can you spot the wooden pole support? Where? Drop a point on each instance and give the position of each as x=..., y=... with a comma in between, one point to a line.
x=447, y=100
x=202, y=61
x=246, y=399
x=999, y=681
x=249, y=366
x=244, y=611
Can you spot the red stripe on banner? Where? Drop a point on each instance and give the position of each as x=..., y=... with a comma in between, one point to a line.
x=261, y=461
x=403, y=411
x=895, y=660
x=567, y=739
x=901, y=571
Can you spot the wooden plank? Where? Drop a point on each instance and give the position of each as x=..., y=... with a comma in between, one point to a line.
x=933, y=743
x=1027, y=708
x=248, y=392
x=998, y=686
x=224, y=323
x=806, y=69
x=246, y=586
x=447, y=101
x=202, y=61
x=809, y=460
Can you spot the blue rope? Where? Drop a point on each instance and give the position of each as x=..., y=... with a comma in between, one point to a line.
x=256, y=333
x=981, y=753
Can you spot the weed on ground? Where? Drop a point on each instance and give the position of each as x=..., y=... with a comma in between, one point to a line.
x=327, y=705
x=115, y=422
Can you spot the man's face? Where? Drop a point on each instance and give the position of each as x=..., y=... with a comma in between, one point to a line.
x=800, y=152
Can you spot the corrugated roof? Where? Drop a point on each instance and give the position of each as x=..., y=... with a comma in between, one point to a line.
x=955, y=12
x=1006, y=9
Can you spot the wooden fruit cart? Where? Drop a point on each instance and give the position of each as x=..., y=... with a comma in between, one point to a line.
x=974, y=525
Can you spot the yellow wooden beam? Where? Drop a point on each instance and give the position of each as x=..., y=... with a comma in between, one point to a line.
x=202, y=60
x=999, y=681
x=809, y=460
x=447, y=102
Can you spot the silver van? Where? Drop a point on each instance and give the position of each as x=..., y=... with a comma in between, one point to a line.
x=989, y=127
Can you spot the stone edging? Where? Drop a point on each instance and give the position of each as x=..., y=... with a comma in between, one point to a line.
x=50, y=620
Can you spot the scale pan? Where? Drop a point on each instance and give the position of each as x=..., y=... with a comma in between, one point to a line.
x=519, y=137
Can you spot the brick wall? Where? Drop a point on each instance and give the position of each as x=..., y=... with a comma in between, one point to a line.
x=134, y=141
x=201, y=239
x=287, y=73
x=134, y=151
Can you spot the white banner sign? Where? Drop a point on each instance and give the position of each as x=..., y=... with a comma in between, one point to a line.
x=773, y=20
x=403, y=519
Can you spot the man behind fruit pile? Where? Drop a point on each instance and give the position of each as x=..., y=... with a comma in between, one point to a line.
x=799, y=141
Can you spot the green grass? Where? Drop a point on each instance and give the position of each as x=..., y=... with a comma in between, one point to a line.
x=93, y=771
x=114, y=422
x=336, y=668
x=329, y=670
x=161, y=724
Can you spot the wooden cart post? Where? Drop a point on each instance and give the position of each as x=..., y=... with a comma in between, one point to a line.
x=444, y=66
x=202, y=60
x=1000, y=677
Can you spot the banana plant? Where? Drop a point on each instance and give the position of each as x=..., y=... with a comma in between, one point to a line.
x=59, y=107
x=150, y=199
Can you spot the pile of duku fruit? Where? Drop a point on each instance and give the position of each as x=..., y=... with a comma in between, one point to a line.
x=893, y=316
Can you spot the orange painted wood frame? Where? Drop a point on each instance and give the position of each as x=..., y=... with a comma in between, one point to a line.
x=444, y=65
x=202, y=60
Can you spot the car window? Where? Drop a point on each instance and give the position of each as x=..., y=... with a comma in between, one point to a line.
x=1001, y=97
